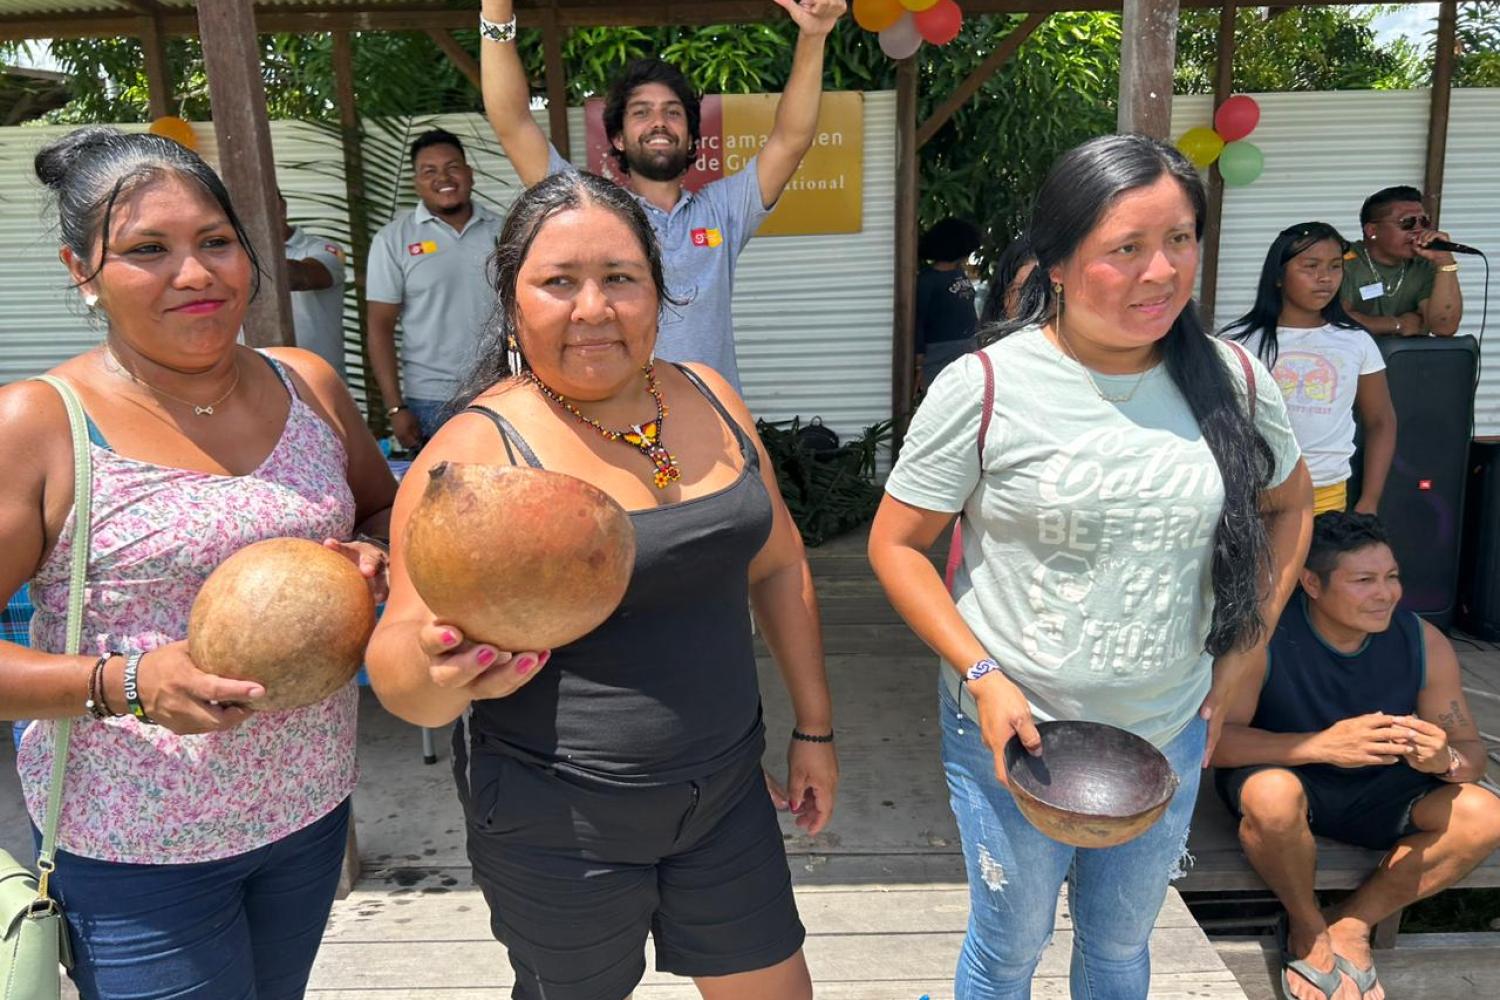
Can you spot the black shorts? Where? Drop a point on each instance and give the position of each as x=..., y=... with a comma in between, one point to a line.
x=1366, y=808
x=577, y=873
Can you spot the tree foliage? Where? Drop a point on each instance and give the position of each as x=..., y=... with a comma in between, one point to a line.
x=1478, y=63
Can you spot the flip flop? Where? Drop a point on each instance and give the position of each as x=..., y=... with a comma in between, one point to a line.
x=1364, y=979
x=1327, y=983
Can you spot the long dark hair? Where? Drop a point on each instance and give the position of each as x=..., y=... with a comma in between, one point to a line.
x=561, y=192
x=1266, y=312
x=90, y=169
x=1014, y=257
x=1080, y=188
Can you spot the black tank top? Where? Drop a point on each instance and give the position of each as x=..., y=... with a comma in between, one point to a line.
x=666, y=689
x=1310, y=685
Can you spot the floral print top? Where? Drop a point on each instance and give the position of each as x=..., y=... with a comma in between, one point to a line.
x=142, y=794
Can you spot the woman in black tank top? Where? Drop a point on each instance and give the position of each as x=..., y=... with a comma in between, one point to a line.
x=613, y=786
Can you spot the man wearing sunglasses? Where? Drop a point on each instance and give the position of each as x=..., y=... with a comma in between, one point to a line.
x=1393, y=283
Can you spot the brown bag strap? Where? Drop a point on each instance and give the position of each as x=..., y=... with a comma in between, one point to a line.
x=1249, y=371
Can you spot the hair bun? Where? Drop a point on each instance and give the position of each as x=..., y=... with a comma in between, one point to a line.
x=56, y=160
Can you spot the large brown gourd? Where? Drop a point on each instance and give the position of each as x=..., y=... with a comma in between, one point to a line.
x=519, y=558
x=287, y=613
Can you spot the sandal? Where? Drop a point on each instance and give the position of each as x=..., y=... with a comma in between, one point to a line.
x=1365, y=980
x=1327, y=983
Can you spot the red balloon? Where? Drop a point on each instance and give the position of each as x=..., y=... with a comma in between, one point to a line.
x=1237, y=117
x=939, y=23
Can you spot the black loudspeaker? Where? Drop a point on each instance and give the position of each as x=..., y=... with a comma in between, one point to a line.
x=1432, y=388
x=1479, y=572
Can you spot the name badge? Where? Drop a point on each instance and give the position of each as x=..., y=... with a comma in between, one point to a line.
x=1373, y=290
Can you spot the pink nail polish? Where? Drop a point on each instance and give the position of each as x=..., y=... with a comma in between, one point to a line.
x=448, y=638
x=485, y=657
x=526, y=665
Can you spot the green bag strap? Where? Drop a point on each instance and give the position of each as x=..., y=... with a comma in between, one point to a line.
x=83, y=495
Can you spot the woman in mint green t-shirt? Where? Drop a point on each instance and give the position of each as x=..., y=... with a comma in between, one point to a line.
x=1132, y=529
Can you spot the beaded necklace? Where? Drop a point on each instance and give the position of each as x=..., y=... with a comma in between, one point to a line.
x=645, y=438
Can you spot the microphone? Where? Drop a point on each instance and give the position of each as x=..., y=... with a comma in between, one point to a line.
x=1448, y=246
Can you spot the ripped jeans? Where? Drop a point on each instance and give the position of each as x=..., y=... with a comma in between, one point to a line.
x=1015, y=873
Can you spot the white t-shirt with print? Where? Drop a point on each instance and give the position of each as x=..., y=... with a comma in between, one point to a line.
x=1318, y=370
x=1088, y=542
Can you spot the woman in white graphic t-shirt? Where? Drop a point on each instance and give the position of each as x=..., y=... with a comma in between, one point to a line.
x=1329, y=369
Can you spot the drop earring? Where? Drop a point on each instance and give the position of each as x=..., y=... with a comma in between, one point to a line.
x=513, y=354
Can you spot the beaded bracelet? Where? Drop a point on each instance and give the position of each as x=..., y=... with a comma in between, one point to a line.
x=96, y=704
x=797, y=734
x=132, y=689
x=498, y=31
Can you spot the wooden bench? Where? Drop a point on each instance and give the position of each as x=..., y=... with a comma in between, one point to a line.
x=1219, y=864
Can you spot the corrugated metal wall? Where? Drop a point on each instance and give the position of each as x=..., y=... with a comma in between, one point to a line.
x=812, y=313
x=1326, y=152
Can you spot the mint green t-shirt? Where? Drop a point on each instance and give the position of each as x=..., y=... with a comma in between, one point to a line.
x=1088, y=534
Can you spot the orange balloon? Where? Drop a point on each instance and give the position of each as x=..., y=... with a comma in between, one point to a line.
x=877, y=15
x=917, y=6
x=174, y=128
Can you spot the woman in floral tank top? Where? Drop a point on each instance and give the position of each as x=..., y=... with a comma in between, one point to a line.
x=199, y=851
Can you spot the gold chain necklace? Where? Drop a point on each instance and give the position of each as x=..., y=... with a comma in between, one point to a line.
x=199, y=410
x=1089, y=375
x=645, y=438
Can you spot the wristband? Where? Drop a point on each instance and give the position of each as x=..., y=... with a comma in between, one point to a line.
x=133, y=691
x=808, y=738
x=979, y=669
x=1449, y=268
x=497, y=31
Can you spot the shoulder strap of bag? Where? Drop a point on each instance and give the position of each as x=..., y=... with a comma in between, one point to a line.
x=83, y=495
x=956, y=544
x=1249, y=371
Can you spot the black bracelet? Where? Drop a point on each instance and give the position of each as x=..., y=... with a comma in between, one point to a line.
x=797, y=734
x=96, y=704
x=383, y=544
x=132, y=690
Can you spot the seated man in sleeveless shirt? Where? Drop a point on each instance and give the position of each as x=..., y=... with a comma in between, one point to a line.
x=1359, y=732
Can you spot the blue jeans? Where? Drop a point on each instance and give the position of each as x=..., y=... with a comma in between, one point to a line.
x=1015, y=873
x=430, y=413
x=244, y=928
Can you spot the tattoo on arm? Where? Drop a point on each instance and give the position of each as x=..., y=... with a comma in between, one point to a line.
x=1453, y=718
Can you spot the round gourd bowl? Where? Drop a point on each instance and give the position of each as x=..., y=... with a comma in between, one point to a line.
x=1094, y=785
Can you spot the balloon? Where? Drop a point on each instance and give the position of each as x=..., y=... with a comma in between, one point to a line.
x=939, y=23
x=916, y=5
x=1241, y=163
x=1200, y=145
x=901, y=39
x=174, y=128
x=1237, y=117
x=877, y=15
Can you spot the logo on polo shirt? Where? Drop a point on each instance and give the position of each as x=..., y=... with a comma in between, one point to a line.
x=707, y=237
x=334, y=249
x=418, y=249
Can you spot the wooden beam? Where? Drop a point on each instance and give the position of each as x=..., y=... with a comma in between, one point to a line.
x=456, y=53
x=359, y=216
x=557, y=82
x=1148, y=53
x=396, y=16
x=980, y=75
x=158, y=72
x=231, y=58
x=1214, y=219
x=1437, y=117
x=904, y=313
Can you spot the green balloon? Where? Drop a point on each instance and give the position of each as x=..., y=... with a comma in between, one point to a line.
x=1241, y=163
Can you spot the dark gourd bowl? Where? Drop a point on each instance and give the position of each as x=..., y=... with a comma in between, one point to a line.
x=1094, y=785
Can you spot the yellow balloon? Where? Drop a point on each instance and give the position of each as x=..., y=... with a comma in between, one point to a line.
x=1201, y=145
x=174, y=128
x=918, y=5
x=877, y=15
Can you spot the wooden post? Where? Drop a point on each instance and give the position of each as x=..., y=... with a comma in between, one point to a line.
x=457, y=54
x=158, y=73
x=359, y=218
x=980, y=76
x=1437, y=118
x=231, y=57
x=1148, y=52
x=904, y=320
x=557, y=82
x=1213, y=220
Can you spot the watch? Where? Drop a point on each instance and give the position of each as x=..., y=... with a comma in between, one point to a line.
x=979, y=669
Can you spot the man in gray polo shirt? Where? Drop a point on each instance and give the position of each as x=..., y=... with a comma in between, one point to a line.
x=427, y=269
x=651, y=117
